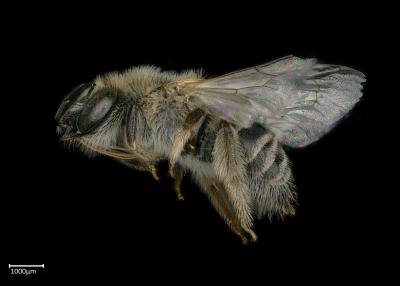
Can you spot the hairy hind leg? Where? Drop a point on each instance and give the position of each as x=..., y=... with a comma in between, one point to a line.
x=229, y=166
x=220, y=201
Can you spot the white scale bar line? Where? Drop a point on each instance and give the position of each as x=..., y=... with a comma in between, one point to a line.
x=11, y=265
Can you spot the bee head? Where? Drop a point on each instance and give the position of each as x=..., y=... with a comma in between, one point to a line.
x=93, y=115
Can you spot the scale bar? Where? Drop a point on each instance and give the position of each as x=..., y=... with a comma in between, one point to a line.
x=17, y=265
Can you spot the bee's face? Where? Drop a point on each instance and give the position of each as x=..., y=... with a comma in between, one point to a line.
x=93, y=115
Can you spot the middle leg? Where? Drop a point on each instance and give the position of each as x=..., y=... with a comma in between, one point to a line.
x=183, y=137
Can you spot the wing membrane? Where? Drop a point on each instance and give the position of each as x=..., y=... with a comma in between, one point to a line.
x=298, y=99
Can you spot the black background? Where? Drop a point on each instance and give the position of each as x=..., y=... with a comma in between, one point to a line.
x=96, y=217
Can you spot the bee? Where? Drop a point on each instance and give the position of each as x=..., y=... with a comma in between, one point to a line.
x=228, y=132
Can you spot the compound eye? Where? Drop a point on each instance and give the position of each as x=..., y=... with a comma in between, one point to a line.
x=96, y=110
x=71, y=98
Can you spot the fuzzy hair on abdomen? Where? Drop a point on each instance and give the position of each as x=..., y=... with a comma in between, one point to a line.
x=268, y=171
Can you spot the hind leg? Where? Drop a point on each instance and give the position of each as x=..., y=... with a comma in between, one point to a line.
x=229, y=166
x=220, y=201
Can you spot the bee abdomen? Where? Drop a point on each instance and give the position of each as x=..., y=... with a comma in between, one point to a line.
x=279, y=171
x=259, y=144
x=270, y=176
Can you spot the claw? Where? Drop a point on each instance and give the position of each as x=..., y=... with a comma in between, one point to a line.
x=244, y=239
x=251, y=233
x=177, y=174
x=153, y=171
x=179, y=194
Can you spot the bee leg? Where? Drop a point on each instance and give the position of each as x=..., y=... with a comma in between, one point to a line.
x=228, y=214
x=178, y=171
x=223, y=206
x=230, y=168
x=142, y=166
x=183, y=137
x=153, y=171
x=243, y=228
x=252, y=234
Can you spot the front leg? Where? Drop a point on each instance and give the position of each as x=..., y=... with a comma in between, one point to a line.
x=141, y=165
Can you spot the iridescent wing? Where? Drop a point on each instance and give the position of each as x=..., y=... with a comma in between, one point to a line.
x=298, y=99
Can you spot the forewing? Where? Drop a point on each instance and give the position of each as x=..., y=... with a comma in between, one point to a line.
x=298, y=99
